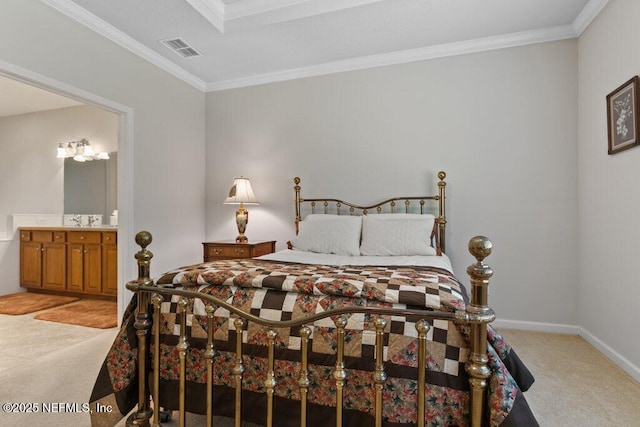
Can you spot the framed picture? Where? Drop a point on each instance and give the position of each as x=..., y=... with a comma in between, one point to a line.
x=623, y=117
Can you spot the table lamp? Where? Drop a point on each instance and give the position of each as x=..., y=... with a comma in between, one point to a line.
x=241, y=193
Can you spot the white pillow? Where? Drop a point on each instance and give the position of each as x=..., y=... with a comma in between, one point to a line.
x=339, y=235
x=384, y=235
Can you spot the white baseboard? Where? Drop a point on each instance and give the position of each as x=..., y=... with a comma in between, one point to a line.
x=555, y=328
x=621, y=361
x=614, y=356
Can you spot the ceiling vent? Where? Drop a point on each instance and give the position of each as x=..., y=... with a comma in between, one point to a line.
x=180, y=47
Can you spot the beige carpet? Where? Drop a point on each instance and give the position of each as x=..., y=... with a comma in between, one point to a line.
x=28, y=302
x=87, y=312
x=576, y=385
x=49, y=362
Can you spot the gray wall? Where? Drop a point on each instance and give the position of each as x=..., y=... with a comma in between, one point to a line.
x=609, y=196
x=502, y=124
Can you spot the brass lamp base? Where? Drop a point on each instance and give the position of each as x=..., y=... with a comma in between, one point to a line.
x=242, y=218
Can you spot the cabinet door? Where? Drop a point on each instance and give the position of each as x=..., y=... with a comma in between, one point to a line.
x=54, y=266
x=92, y=269
x=31, y=265
x=110, y=270
x=75, y=267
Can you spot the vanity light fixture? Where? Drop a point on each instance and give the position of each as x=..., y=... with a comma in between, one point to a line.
x=241, y=193
x=81, y=151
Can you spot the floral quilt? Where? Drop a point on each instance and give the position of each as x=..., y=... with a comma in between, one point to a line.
x=284, y=291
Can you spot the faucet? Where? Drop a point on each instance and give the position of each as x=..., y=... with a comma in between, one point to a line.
x=77, y=219
x=92, y=220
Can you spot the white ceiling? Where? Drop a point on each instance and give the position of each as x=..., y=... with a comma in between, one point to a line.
x=20, y=98
x=246, y=42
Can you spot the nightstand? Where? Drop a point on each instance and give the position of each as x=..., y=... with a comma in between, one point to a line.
x=229, y=249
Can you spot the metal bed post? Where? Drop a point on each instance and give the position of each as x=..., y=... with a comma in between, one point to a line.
x=442, y=219
x=143, y=327
x=238, y=370
x=183, y=348
x=479, y=315
x=209, y=354
x=296, y=188
x=157, y=302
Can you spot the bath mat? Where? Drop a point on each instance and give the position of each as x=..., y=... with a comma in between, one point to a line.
x=28, y=302
x=87, y=312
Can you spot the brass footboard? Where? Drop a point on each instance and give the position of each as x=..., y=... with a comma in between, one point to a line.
x=477, y=315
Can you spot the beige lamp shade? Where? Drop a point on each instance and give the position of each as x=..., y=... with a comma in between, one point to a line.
x=241, y=192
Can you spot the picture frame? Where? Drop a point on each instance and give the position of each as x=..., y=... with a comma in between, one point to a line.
x=623, y=116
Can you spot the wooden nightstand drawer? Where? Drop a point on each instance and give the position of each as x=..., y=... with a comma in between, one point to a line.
x=227, y=251
x=231, y=250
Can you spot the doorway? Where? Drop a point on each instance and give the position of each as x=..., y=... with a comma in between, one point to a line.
x=126, y=269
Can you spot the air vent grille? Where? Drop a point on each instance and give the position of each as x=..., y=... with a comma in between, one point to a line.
x=180, y=47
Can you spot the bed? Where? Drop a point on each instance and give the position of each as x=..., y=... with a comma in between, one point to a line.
x=359, y=322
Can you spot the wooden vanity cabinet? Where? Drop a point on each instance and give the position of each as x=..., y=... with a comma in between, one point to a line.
x=42, y=259
x=73, y=261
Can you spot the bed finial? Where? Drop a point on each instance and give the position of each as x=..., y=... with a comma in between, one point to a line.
x=480, y=314
x=480, y=247
x=142, y=325
x=442, y=175
x=144, y=239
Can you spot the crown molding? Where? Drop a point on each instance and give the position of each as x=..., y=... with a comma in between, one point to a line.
x=81, y=15
x=244, y=8
x=404, y=56
x=286, y=10
x=588, y=14
x=213, y=11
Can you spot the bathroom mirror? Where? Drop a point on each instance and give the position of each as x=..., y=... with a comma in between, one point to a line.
x=91, y=187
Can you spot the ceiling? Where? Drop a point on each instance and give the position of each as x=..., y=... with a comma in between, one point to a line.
x=20, y=98
x=247, y=42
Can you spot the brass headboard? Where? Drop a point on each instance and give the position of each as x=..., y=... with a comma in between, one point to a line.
x=328, y=204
